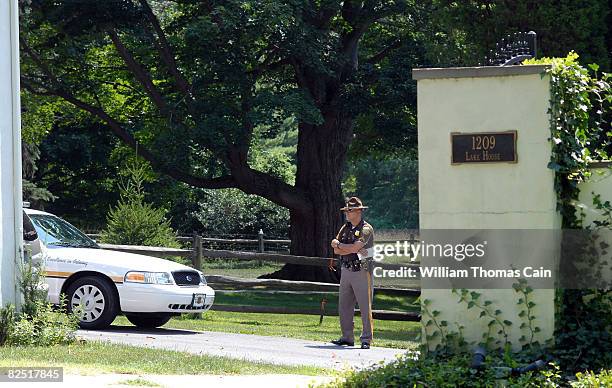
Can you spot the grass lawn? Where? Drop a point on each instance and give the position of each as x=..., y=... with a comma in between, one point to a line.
x=95, y=357
x=309, y=301
x=386, y=333
x=239, y=268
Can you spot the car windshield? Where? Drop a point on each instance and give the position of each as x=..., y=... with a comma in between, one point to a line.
x=54, y=231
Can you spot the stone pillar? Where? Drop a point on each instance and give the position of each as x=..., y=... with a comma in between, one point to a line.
x=10, y=153
x=498, y=195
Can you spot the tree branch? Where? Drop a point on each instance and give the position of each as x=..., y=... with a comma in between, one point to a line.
x=165, y=51
x=324, y=14
x=265, y=185
x=242, y=176
x=27, y=84
x=139, y=72
x=382, y=54
x=214, y=183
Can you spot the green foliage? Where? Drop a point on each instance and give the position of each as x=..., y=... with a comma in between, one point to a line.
x=32, y=192
x=580, y=132
x=32, y=287
x=37, y=323
x=7, y=319
x=389, y=187
x=560, y=25
x=590, y=379
x=195, y=88
x=232, y=212
x=76, y=165
x=583, y=330
x=437, y=331
x=414, y=370
x=497, y=327
x=45, y=328
x=580, y=127
x=134, y=221
x=38, y=114
x=528, y=324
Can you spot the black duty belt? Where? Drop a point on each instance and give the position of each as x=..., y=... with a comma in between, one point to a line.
x=355, y=264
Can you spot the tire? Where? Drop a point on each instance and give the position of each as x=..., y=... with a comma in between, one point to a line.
x=148, y=321
x=101, y=304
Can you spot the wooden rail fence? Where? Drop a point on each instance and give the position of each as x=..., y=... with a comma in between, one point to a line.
x=198, y=253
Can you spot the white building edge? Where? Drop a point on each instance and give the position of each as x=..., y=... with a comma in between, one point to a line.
x=10, y=153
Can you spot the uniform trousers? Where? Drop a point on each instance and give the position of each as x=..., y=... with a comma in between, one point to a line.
x=356, y=287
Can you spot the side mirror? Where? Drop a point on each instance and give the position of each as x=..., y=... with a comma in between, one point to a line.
x=30, y=236
x=29, y=233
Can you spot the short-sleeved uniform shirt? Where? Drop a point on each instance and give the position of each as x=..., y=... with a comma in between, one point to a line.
x=348, y=234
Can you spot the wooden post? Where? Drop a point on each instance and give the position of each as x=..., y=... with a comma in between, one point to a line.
x=261, y=248
x=196, y=260
x=260, y=238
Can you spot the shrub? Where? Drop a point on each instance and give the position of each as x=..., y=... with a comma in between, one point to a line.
x=37, y=323
x=7, y=318
x=32, y=287
x=45, y=328
x=414, y=370
x=134, y=221
x=594, y=380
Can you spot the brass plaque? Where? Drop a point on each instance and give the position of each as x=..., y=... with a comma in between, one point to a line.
x=483, y=147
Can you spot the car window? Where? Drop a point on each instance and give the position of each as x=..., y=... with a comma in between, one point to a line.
x=53, y=230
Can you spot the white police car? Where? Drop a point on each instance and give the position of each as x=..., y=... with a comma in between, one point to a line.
x=147, y=290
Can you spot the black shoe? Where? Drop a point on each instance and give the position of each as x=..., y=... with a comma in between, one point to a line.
x=365, y=346
x=341, y=342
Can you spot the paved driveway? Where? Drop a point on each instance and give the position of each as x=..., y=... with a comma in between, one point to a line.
x=277, y=350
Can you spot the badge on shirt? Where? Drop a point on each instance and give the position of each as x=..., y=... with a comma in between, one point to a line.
x=357, y=233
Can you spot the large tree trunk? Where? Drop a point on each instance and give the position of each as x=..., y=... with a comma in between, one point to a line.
x=321, y=157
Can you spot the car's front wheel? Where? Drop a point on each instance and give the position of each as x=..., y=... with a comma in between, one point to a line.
x=148, y=321
x=94, y=300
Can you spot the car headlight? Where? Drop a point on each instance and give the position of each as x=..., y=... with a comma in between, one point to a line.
x=148, y=277
x=202, y=278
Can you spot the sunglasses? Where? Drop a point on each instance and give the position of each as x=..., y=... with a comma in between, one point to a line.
x=350, y=210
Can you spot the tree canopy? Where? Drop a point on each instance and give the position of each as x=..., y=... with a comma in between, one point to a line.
x=202, y=89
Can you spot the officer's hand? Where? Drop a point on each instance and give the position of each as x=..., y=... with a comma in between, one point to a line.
x=334, y=242
x=363, y=252
x=330, y=265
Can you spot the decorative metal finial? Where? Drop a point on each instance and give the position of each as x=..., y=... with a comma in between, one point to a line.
x=513, y=49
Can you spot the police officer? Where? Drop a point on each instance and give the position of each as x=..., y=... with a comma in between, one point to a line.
x=354, y=243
